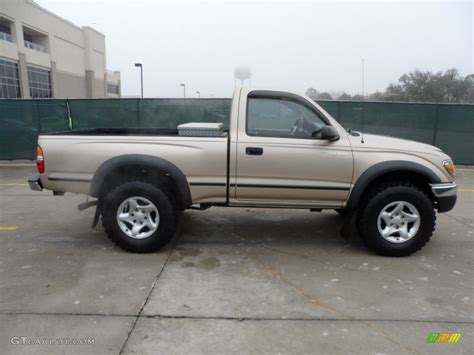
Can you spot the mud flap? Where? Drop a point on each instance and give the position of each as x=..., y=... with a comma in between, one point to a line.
x=96, y=217
x=349, y=228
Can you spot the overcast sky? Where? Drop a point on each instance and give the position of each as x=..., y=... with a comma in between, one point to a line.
x=287, y=45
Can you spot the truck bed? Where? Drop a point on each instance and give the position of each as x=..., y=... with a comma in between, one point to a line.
x=72, y=157
x=117, y=132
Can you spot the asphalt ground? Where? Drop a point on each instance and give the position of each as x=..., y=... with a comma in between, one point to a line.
x=231, y=281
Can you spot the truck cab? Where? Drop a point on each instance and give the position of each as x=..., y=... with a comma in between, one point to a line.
x=285, y=150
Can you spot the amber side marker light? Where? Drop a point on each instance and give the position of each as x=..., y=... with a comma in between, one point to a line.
x=450, y=168
x=39, y=160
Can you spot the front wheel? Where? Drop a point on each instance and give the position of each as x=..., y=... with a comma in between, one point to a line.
x=139, y=217
x=396, y=219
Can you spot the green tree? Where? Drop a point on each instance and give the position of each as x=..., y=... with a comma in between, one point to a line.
x=419, y=86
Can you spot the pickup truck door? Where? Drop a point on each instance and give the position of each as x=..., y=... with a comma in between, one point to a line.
x=279, y=162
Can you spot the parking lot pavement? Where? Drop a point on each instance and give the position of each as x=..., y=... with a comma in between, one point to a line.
x=232, y=280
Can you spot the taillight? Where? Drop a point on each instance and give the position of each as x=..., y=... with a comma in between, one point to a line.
x=39, y=160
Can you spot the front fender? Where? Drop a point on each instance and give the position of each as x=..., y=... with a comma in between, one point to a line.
x=386, y=167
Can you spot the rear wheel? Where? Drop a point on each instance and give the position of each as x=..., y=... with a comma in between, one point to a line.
x=396, y=219
x=139, y=217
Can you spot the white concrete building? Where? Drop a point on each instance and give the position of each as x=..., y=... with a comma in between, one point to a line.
x=43, y=55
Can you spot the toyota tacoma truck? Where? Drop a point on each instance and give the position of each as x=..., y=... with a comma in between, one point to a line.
x=281, y=150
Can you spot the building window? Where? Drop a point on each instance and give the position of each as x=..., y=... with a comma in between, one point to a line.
x=35, y=40
x=9, y=80
x=27, y=37
x=112, y=89
x=5, y=32
x=40, y=83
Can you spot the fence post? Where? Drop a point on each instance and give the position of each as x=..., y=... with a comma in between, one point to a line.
x=435, y=129
x=338, y=118
x=69, y=115
x=138, y=113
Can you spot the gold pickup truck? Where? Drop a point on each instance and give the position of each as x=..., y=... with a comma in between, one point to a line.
x=281, y=150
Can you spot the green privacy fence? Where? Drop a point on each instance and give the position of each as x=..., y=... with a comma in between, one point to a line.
x=449, y=127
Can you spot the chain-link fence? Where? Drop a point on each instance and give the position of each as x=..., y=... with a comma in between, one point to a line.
x=449, y=127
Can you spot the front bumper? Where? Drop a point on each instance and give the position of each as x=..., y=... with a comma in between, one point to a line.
x=446, y=195
x=35, y=183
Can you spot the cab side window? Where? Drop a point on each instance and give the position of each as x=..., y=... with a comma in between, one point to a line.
x=280, y=117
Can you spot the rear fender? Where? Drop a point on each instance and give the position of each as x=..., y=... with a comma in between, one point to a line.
x=150, y=165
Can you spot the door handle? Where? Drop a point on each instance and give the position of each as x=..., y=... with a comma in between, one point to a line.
x=253, y=151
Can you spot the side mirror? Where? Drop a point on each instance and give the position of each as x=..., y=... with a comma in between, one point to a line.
x=329, y=133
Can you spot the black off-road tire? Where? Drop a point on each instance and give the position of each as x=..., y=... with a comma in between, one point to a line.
x=167, y=209
x=375, y=201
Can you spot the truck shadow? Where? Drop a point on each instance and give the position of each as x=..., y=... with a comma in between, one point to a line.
x=277, y=228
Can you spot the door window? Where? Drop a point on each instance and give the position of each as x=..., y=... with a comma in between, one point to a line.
x=279, y=117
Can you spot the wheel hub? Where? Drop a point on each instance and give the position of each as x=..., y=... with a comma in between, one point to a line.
x=398, y=222
x=138, y=217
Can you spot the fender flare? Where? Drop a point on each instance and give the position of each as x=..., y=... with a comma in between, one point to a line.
x=154, y=164
x=385, y=167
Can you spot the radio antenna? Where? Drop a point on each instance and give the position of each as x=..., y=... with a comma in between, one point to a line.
x=363, y=96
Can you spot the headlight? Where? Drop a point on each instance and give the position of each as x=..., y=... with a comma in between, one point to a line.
x=449, y=166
